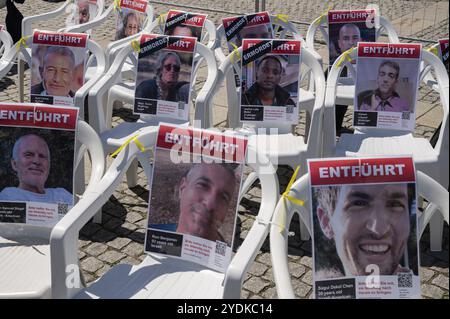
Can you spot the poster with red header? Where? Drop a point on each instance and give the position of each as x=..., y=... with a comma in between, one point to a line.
x=387, y=80
x=164, y=76
x=184, y=24
x=36, y=175
x=364, y=228
x=130, y=18
x=57, y=66
x=194, y=195
x=250, y=26
x=443, y=52
x=270, y=80
x=348, y=27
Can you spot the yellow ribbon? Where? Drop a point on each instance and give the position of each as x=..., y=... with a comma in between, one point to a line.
x=161, y=18
x=128, y=141
x=345, y=56
x=319, y=20
x=433, y=50
x=282, y=17
x=286, y=196
x=117, y=5
x=135, y=45
x=22, y=42
x=235, y=54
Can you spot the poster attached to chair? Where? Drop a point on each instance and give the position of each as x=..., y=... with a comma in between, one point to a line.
x=250, y=26
x=194, y=195
x=164, y=76
x=57, y=67
x=270, y=81
x=83, y=12
x=36, y=167
x=185, y=24
x=130, y=18
x=387, y=80
x=443, y=53
x=364, y=228
x=348, y=27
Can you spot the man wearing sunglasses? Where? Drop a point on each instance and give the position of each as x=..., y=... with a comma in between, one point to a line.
x=165, y=86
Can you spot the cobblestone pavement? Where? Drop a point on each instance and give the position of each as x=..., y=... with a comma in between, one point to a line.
x=120, y=237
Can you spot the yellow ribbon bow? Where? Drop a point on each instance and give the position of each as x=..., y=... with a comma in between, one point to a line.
x=282, y=17
x=22, y=42
x=345, y=56
x=117, y=5
x=285, y=196
x=128, y=141
x=135, y=45
x=319, y=20
x=161, y=18
x=235, y=54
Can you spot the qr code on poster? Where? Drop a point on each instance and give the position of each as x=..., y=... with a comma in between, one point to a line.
x=220, y=248
x=405, y=280
x=406, y=115
x=63, y=208
x=289, y=109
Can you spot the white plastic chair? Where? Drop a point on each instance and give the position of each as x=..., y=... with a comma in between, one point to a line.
x=427, y=188
x=6, y=42
x=372, y=142
x=346, y=89
x=157, y=276
x=7, y=61
x=27, y=24
x=91, y=25
x=25, y=250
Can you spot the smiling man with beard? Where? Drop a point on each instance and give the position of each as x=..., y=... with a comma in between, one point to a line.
x=31, y=161
x=369, y=224
x=266, y=90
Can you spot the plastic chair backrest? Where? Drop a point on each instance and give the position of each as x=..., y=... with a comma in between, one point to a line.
x=329, y=141
x=6, y=41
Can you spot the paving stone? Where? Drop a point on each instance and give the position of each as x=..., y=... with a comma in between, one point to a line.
x=102, y=270
x=301, y=289
x=119, y=242
x=431, y=291
x=133, y=217
x=257, y=269
x=91, y=264
x=307, y=278
x=111, y=256
x=265, y=259
x=103, y=236
x=255, y=284
x=95, y=249
x=134, y=249
x=270, y=293
x=296, y=270
x=89, y=229
x=441, y=281
x=130, y=261
x=426, y=274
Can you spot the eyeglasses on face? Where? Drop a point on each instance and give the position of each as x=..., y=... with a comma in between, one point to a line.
x=169, y=67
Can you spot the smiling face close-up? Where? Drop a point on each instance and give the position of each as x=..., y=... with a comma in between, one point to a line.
x=32, y=163
x=57, y=74
x=369, y=225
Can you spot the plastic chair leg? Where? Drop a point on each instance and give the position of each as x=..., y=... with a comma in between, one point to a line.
x=132, y=174
x=251, y=178
x=436, y=228
x=21, y=75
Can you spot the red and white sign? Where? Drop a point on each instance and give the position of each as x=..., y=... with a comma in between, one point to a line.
x=194, y=19
x=63, y=39
x=348, y=16
x=137, y=5
x=389, y=50
x=173, y=43
x=361, y=171
x=201, y=142
x=27, y=115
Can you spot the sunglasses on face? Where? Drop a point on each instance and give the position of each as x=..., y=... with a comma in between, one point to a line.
x=169, y=67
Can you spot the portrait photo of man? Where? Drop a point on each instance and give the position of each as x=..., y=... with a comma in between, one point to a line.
x=205, y=198
x=185, y=31
x=266, y=89
x=259, y=31
x=56, y=71
x=384, y=97
x=31, y=162
x=166, y=84
x=368, y=225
